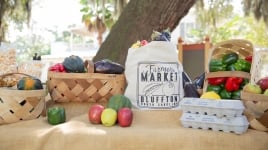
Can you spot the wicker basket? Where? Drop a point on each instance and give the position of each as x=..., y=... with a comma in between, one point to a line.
x=17, y=105
x=243, y=48
x=257, y=104
x=84, y=87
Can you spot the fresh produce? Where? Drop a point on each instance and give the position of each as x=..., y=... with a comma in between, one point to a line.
x=236, y=94
x=139, y=44
x=229, y=87
x=249, y=58
x=74, y=64
x=242, y=65
x=125, y=117
x=108, y=117
x=118, y=109
x=265, y=92
x=108, y=67
x=224, y=94
x=119, y=101
x=165, y=35
x=263, y=83
x=230, y=67
x=215, y=88
x=252, y=88
x=216, y=65
x=233, y=83
x=29, y=83
x=94, y=113
x=190, y=90
x=230, y=62
x=58, y=67
x=216, y=80
x=245, y=81
x=56, y=115
x=229, y=58
x=210, y=95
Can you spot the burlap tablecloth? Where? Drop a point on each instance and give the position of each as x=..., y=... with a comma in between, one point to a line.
x=152, y=130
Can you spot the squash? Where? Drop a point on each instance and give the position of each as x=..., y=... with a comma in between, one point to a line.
x=29, y=83
x=119, y=101
x=74, y=64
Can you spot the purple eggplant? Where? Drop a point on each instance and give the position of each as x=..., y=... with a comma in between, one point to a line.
x=108, y=67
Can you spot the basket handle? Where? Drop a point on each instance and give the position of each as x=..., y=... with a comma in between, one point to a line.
x=8, y=74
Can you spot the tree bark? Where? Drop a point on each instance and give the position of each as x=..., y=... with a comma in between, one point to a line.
x=137, y=22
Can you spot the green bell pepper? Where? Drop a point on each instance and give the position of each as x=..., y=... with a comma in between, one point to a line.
x=216, y=65
x=229, y=58
x=56, y=115
x=231, y=67
x=236, y=94
x=245, y=81
x=215, y=88
x=224, y=94
x=242, y=65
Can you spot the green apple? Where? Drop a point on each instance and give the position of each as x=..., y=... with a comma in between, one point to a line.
x=252, y=88
x=108, y=117
x=265, y=92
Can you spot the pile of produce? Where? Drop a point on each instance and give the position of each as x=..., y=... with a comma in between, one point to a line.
x=164, y=35
x=75, y=64
x=118, y=110
x=229, y=87
x=261, y=87
x=230, y=62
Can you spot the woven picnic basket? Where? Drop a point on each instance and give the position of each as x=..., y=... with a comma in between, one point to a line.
x=17, y=105
x=242, y=47
x=257, y=104
x=84, y=87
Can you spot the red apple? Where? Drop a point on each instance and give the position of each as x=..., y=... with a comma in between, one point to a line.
x=94, y=113
x=125, y=117
x=263, y=83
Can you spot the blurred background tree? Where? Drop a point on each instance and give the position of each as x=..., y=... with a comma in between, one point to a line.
x=13, y=11
x=105, y=15
x=218, y=20
x=259, y=8
x=98, y=15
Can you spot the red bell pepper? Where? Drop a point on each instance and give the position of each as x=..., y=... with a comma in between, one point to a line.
x=249, y=58
x=233, y=83
x=216, y=80
x=57, y=68
x=239, y=80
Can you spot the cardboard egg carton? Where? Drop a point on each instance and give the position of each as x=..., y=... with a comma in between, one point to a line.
x=219, y=108
x=236, y=125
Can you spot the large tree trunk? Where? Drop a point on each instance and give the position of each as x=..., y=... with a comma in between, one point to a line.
x=137, y=21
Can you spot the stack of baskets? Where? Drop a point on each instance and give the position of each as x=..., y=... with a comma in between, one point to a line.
x=257, y=104
x=84, y=87
x=17, y=105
